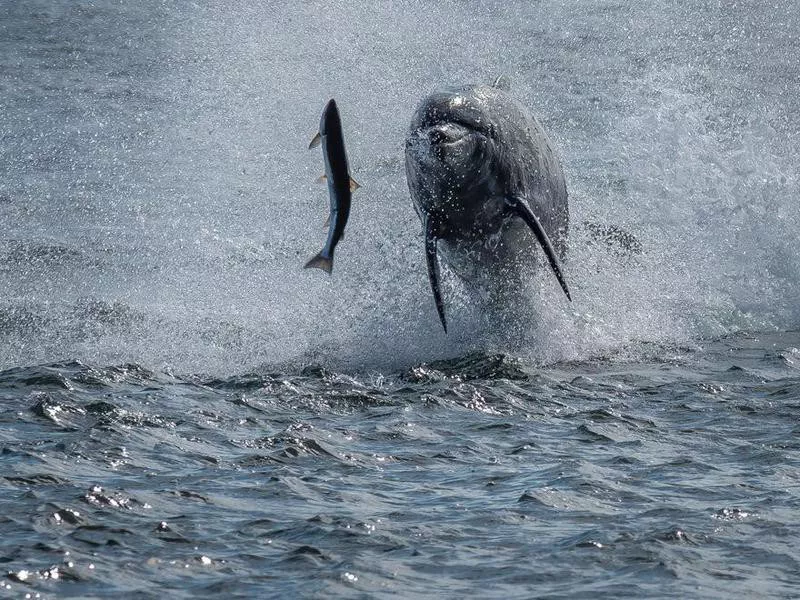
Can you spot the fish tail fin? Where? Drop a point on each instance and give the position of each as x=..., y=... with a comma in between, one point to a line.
x=320, y=262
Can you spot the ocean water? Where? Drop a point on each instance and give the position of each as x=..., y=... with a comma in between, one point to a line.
x=187, y=413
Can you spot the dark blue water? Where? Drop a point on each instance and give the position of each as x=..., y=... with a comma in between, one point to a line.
x=482, y=476
x=185, y=412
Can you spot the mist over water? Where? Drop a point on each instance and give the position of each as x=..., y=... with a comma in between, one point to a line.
x=159, y=200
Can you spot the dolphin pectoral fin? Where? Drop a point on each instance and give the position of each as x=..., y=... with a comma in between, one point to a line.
x=502, y=82
x=521, y=209
x=315, y=141
x=433, y=269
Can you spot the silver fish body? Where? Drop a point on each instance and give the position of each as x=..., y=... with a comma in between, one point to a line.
x=340, y=184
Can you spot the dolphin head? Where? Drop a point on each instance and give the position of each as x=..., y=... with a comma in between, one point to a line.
x=451, y=158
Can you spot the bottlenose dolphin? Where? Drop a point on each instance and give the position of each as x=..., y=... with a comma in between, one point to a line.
x=340, y=184
x=482, y=172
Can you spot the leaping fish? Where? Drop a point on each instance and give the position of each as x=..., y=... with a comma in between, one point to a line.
x=340, y=184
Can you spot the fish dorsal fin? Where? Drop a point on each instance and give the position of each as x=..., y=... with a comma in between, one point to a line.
x=315, y=141
x=502, y=82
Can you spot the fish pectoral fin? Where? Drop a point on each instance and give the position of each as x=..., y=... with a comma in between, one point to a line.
x=315, y=141
x=502, y=82
x=433, y=269
x=521, y=209
x=328, y=224
x=354, y=185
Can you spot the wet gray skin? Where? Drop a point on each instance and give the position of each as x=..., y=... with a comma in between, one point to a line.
x=488, y=188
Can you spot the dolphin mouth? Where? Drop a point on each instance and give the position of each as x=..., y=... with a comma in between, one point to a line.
x=447, y=133
x=444, y=142
x=441, y=137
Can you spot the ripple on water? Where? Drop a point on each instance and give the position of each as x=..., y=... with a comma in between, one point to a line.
x=394, y=479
